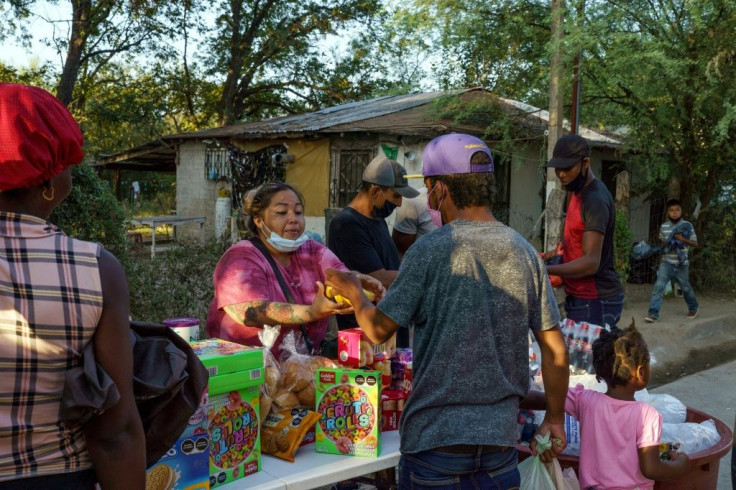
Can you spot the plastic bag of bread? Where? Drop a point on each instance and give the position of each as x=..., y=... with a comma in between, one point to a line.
x=282, y=432
x=272, y=371
x=296, y=384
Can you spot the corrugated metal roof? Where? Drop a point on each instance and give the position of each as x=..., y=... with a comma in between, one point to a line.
x=409, y=114
x=323, y=119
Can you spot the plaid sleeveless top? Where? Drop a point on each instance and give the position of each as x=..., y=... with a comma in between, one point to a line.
x=50, y=305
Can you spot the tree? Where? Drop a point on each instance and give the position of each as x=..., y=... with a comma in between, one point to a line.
x=267, y=50
x=499, y=45
x=667, y=69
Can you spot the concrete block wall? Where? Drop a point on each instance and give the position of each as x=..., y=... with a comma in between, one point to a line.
x=195, y=195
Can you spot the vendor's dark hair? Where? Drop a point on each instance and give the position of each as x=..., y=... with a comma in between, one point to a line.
x=259, y=198
x=477, y=189
x=673, y=202
x=617, y=354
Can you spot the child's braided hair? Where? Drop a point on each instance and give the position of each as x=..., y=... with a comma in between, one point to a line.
x=617, y=354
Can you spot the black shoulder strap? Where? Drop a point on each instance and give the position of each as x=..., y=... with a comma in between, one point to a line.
x=256, y=241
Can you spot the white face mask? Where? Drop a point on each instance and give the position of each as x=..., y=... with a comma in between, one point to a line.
x=284, y=244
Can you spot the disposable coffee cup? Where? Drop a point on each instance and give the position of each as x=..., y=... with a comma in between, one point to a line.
x=186, y=328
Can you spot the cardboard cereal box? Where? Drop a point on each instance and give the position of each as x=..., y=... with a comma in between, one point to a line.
x=233, y=408
x=186, y=465
x=348, y=401
x=355, y=350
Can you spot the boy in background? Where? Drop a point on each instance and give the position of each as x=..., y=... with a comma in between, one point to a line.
x=677, y=235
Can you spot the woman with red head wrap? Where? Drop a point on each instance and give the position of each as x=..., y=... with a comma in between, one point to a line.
x=57, y=294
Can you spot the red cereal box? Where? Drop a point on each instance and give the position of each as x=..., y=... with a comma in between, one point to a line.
x=355, y=350
x=392, y=404
x=348, y=401
x=407, y=380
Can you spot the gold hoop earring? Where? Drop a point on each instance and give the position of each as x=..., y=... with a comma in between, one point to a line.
x=53, y=191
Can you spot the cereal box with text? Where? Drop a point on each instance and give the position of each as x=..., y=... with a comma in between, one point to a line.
x=233, y=408
x=348, y=401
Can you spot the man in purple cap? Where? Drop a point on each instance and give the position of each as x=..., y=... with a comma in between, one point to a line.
x=594, y=292
x=359, y=234
x=471, y=290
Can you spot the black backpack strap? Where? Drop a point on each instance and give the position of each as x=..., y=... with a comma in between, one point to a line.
x=256, y=241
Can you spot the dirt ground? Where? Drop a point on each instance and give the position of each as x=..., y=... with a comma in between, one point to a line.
x=683, y=346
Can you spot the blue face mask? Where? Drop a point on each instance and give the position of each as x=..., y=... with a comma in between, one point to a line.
x=284, y=244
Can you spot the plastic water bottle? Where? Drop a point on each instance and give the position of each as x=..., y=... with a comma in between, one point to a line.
x=581, y=339
x=570, y=333
x=589, y=358
x=533, y=364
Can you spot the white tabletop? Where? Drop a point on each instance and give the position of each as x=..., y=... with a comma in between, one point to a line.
x=312, y=469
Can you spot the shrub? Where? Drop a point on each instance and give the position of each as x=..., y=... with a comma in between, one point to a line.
x=92, y=213
x=712, y=266
x=175, y=283
x=622, y=241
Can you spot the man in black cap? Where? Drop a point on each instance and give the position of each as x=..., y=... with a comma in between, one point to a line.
x=359, y=234
x=594, y=292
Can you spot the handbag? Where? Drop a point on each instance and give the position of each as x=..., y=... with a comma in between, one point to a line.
x=169, y=381
x=256, y=241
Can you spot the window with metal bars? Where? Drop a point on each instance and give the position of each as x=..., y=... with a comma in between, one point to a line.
x=347, y=174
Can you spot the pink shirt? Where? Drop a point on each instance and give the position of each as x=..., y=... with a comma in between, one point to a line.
x=243, y=274
x=611, y=431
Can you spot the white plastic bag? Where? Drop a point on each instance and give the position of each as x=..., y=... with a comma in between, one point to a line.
x=571, y=479
x=536, y=475
x=693, y=437
x=672, y=410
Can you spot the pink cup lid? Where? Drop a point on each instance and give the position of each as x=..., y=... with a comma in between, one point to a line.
x=181, y=322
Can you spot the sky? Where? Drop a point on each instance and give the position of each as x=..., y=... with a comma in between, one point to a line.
x=42, y=26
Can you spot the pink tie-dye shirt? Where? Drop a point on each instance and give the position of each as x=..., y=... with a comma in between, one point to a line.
x=243, y=274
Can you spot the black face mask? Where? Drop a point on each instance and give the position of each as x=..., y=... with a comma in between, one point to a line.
x=577, y=183
x=676, y=220
x=385, y=211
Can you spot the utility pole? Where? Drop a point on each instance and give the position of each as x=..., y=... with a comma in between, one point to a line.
x=555, y=203
x=577, y=79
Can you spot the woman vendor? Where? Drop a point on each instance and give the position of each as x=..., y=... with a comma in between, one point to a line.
x=248, y=292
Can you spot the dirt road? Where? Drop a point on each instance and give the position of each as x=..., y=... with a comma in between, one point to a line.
x=683, y=346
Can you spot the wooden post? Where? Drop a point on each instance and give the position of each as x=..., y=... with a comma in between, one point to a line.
x=623, y=192
x=554, y=204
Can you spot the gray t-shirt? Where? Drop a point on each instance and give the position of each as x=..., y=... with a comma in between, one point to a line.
x=471, y=290
x=412, y=217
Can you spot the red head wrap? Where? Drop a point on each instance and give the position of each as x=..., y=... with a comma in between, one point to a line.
x=38, y=137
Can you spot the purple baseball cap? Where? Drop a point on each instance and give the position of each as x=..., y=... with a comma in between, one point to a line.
x=451, y=154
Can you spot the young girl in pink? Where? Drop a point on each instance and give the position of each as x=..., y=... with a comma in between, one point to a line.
x=619, y=436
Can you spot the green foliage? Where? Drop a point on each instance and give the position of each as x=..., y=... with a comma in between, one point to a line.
x=668, y=69
x=38, y=75
x=622, y=241
x=499, y=45
x=91, y=212
x=268, y=52
x=176, y=283
x=506, y=129
x=713, y=266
